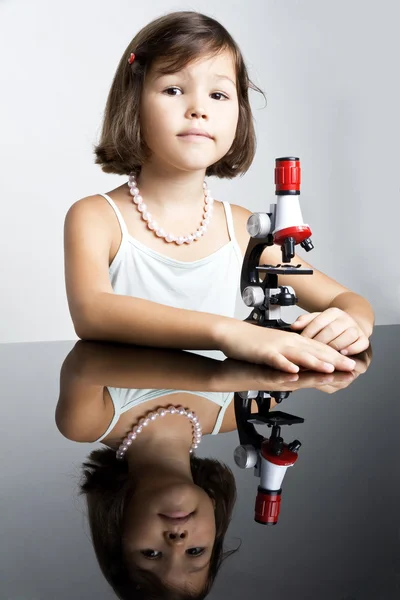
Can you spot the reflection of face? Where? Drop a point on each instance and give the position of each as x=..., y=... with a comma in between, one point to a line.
x=179, y=554
x=203, y=95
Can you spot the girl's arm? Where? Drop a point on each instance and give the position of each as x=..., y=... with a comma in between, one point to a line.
x=337, y=316
x=101, y=315
x=81, y=414
x=318, y=292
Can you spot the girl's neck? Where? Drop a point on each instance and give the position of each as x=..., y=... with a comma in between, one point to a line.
x=163, y=447
x=170, y=190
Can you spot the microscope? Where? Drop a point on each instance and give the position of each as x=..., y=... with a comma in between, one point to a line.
x=284, y=226
x=270, y=457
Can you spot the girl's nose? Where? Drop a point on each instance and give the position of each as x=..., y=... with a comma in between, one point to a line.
x=175, y=538
x=196, y=112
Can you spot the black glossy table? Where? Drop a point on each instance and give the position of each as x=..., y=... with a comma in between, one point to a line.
x=338, y=535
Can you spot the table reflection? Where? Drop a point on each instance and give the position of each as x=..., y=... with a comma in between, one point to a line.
x=159, y=513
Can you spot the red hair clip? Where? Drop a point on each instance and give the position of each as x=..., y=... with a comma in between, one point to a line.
x=131, y=58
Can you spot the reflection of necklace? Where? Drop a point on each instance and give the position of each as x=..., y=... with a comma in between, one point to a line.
x=152, y=416
x=153, y=226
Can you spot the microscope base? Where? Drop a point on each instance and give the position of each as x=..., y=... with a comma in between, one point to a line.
x=258, y=318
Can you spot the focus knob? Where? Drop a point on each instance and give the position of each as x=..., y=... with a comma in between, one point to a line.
x=258, y=225
x=249, y=394
x=253, y=295
x=245, y=457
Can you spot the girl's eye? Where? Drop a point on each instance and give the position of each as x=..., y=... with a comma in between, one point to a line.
x=195, y=551
x=175, y=91
x=170, y=91
x=221, y=96
x=152, y=554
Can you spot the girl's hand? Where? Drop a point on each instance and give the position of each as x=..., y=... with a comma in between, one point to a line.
x=339, y=380
x=234, y=375
x=281, y=350
x=333, y=327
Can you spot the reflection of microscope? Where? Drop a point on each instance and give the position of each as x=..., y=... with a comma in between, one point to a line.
x=284, y=226
x=269, y=457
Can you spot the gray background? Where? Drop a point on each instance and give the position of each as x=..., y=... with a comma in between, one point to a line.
x=330, y=73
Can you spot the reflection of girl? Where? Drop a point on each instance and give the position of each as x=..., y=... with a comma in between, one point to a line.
x=123, y=517
x=126, y=498
x=159, y=516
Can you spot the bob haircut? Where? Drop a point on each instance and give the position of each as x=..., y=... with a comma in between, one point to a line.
x=107, y=488
x=173, y=41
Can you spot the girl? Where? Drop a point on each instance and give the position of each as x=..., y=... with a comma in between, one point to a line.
x=157, y=261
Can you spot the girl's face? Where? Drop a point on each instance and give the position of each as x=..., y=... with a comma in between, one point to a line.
x=189, y=118
x=177, y=551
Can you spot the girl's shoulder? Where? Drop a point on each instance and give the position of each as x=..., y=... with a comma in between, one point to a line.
x=240, y=213
x=96, y=203
x=93, y=215
x=90, y=210
x=240, y=216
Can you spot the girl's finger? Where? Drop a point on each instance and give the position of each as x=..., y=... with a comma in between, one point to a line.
x=331, y=332
x=345, y=339
x=327, y=389
x=278, y=361
x=359, y=346
x=318, y=324
x=304, y=320
x=306, y=359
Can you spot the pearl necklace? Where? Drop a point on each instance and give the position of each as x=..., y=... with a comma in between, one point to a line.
x=153, y=226
x=152, y=416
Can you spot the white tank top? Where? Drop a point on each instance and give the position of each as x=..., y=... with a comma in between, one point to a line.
x=211, y=284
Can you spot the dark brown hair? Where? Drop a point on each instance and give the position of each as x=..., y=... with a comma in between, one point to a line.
x=107, y=487
x=175, y=40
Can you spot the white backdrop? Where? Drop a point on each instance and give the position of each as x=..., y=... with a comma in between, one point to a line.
x=330, y=72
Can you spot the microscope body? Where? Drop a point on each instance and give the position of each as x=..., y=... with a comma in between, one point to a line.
x=272, y=469
x=283, y=225
x=270, y=457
